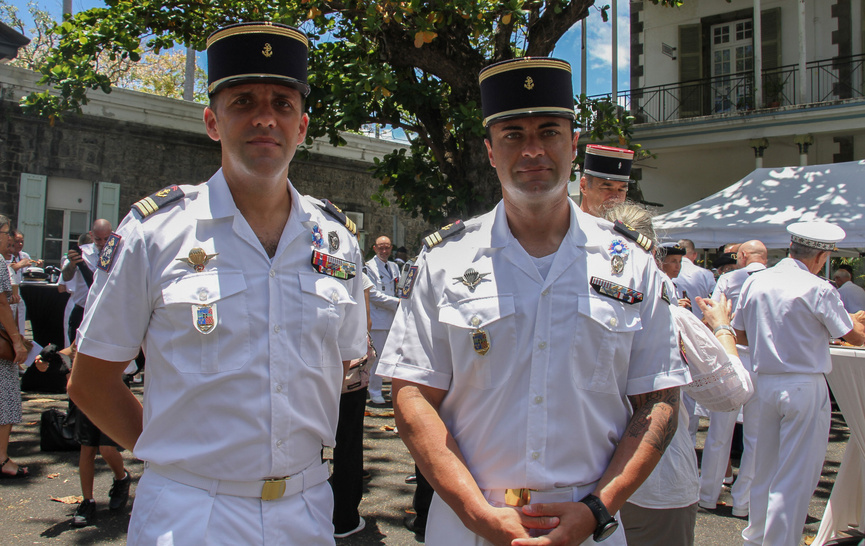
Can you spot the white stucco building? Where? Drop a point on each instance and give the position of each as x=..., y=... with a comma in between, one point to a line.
x=701, y=107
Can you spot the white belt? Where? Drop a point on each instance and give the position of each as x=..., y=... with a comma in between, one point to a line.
x=520, y=497
x=263, y=489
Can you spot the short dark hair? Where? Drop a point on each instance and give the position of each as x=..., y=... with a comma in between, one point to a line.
x=801, y=251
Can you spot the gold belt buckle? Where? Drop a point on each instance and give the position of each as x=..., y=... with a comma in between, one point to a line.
x=273, y=489
x=518, y=497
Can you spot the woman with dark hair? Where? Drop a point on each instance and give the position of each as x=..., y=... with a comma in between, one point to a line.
x=10, y=395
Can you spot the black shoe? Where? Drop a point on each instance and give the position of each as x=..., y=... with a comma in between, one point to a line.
x=366, y=476
x=410, y=522
x=118, y=495
x=411, y=479
x=85, y=514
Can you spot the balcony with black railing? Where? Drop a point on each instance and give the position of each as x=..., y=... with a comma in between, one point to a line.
x=827, y=80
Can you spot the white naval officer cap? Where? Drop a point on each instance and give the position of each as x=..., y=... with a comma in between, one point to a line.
x=820, y=235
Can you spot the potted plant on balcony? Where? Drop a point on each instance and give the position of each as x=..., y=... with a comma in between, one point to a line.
x=774, y=90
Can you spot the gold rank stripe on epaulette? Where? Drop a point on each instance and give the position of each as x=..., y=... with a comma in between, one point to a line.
x=448, y=231
x=337, y=213
x=633, y=235
x=152, y=203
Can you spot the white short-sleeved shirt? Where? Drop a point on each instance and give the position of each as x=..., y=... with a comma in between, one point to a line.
x=696, y=281
x=77, y=286
x=730, y=284
x=546, y=405
x=853, y=297
x=258, y=395
x=789, y=315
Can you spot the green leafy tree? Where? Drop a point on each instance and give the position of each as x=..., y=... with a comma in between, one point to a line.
x=410, y=65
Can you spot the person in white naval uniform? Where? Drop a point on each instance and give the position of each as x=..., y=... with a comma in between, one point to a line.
x=751, y=258
x=787, y=315
x=523, y=337
x=383, y=302
x=248, y=300
x=852, y=295
x=693, y=279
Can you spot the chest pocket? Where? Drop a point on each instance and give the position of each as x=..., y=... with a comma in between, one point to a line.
x=602, y=342
x=493, y=315
x=324, y=302
x=218, y=303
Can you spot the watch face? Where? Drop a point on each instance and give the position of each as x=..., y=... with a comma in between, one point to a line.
x=606, y=531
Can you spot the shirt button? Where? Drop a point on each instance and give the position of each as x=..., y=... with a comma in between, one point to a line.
x=276, y=329
x=475, y=321
x=334, y=296
x=542, y=345
x=613, y=321
x=202, y=295
x=539, y=399
x=545, y=293
x=279, y=443
x=272, y=273
x=279, y=388
x=536, y=455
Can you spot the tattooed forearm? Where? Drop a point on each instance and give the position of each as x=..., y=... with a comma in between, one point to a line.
x=656, y=416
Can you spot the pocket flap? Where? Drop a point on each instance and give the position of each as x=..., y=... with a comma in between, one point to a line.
x=611, y=314
x=203, y=289
x=477, y=312
x=327, y=288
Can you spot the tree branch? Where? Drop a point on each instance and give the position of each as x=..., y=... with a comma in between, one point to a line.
x=551, y=26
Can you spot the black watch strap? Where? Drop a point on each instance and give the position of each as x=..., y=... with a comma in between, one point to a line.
x=607, y=524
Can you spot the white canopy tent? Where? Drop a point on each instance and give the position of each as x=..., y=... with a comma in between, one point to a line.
x=761, y=205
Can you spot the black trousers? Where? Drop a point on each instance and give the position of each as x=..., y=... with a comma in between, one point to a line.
x=75, y=318
x=422, y=498
x=347, y=477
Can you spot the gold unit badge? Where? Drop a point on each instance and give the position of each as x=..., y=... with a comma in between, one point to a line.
x=267, y=51
x=530, y=83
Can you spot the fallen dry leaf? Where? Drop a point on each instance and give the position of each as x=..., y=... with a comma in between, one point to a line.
x=71, y=499
x=387, y=428
x=52, y=476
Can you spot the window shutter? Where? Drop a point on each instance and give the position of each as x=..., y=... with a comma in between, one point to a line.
x=771, y=28
x=108, y=202
x=31, y=211
x=690, y=68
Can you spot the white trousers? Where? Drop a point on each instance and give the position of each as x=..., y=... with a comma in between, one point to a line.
x=794, y=416
x=168, y=513
x=444, y=528
x=379, y=338
x=716, y=453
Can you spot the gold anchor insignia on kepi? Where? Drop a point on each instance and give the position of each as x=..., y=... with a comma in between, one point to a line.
x=267, y=51
x=197, y=259
x=471, y=278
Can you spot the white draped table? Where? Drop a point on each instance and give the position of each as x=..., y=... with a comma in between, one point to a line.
x=846, y=507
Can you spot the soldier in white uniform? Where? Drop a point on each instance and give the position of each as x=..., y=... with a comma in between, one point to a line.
x=852, y=295
x=605, y=180
x=383, y=302
x=693, y=279
x=248, y=299
x=751, y=258
x=787, y=315
x=522, y=337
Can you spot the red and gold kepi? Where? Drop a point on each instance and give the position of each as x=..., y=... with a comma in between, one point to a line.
x=257, y=52
x=608, y=162
x=527, y=86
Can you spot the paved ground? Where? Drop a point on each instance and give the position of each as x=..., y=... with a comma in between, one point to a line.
x=28, y=515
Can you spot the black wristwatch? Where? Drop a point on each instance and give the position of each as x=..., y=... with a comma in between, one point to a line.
x=607, y=524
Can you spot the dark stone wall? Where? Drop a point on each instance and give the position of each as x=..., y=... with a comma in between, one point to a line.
x=143, y=159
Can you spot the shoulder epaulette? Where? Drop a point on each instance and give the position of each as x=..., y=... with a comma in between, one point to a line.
x=448, y=231
x=340, y=216
x=158, y=200
x=633, y=235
